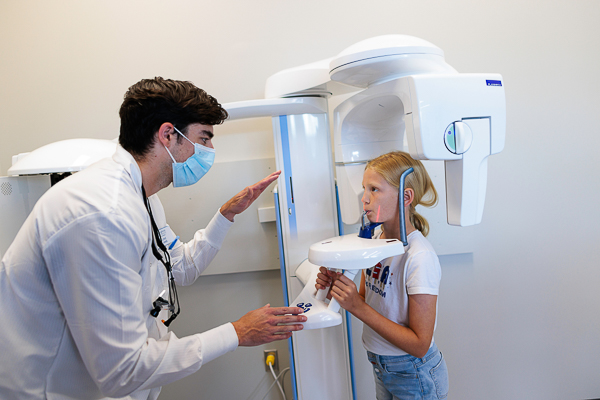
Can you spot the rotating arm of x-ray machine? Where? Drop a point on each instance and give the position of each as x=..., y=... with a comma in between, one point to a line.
x=457, y=118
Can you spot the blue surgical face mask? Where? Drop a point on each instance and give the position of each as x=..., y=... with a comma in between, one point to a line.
x=189, y=172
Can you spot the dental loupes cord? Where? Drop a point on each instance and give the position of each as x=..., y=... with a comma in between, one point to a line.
x=401, y=206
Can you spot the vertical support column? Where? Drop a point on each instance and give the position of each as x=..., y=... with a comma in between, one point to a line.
x=308, y=212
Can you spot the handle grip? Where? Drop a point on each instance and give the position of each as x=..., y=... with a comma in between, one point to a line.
x=322, y=294
x=333, y=304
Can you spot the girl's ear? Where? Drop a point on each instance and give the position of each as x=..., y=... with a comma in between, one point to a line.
x=409, y=196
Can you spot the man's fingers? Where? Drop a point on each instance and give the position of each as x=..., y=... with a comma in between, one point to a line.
x=268, y=324
x=285, y=310
x=282, y=335
x=287, y=329
x=272, y=176
x=291, y=319
x=262, y=185
x=268, y=180
x=241, y=201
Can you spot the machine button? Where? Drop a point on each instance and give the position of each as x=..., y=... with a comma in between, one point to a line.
x=449, y=139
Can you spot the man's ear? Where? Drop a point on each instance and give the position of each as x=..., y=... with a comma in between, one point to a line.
x=166, y=134
x=409, y=196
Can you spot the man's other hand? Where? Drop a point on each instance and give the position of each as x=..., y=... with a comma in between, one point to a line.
x=241, y=201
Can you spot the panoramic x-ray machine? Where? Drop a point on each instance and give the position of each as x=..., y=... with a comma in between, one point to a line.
x=412, y=100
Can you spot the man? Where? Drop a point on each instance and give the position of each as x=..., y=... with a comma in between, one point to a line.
x=88, y=285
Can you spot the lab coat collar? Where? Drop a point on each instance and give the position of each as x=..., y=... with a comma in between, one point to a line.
x=124, y=158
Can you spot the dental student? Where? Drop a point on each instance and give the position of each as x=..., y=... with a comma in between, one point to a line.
x=88, y=286
x=397, y=298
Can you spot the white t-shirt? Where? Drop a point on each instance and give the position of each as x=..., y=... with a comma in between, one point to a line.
x=390, y=282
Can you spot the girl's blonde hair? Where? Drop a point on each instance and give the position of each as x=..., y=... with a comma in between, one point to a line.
x=391, y=166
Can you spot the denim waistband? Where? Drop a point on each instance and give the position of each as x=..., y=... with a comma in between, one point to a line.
x=379, y=360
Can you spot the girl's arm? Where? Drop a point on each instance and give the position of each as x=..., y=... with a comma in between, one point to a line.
x=414, y=339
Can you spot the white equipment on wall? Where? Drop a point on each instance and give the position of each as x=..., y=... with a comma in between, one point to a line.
x=31, y=174
x=412, y=99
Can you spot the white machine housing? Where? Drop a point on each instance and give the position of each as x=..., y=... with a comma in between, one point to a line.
x=414, y=99
x=71, y=155
x=30, y=177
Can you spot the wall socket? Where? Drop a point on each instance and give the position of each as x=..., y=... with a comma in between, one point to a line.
x=275, y=365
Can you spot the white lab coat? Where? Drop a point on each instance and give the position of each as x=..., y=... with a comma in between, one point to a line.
x=77, y=286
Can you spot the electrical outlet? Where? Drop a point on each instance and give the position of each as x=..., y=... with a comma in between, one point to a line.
x=275, y=364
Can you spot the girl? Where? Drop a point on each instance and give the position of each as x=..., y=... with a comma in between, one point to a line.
x=397, y=298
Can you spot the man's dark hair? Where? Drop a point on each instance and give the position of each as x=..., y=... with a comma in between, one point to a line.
x=151, y=102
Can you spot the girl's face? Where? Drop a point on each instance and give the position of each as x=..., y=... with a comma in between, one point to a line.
x=380, y=200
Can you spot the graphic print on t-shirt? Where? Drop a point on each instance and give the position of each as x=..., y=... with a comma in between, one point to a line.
x=377, y=279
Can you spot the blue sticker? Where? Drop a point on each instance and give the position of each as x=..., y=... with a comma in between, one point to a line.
x=306, y=307
x=493, y=83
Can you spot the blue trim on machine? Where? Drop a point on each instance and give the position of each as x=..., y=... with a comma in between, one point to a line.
x=339, y=211
x=280, y=243
x=284, y=286
x=348, y=315
x=351, y=353
x=401, y=205
x=287, y=170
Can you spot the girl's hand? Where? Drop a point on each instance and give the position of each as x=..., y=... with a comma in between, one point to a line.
x=325, y=279
x=344, y=291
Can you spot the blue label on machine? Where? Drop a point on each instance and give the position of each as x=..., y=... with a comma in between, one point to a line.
x=306, y=307
x=493, y=83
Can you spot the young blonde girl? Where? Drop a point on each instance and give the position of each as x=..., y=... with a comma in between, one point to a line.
x=397, y=298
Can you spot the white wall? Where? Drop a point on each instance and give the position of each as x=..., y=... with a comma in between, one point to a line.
x=519, y=318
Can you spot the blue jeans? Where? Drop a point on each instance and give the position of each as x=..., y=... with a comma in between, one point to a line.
x=407, y=377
